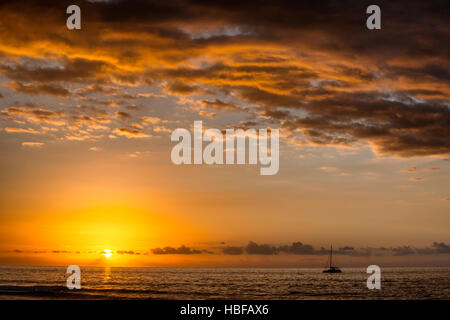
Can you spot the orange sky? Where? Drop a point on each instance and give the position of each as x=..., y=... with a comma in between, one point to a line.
x=86, y=117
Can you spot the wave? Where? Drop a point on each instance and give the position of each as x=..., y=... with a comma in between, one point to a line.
x=60, y=292
x=85, y=293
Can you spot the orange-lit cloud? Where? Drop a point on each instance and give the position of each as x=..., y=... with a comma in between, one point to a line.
x=392, y=96
x=85, y=116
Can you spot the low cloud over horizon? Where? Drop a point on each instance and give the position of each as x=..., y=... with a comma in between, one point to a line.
x=252, y=248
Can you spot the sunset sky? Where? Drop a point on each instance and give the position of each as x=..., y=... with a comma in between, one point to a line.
x=86, y=117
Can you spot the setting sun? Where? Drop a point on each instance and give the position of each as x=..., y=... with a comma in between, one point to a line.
x=107, y=253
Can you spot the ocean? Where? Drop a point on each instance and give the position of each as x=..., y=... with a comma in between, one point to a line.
x=230, y=283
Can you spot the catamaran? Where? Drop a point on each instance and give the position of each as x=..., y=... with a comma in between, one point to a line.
x=332, y=269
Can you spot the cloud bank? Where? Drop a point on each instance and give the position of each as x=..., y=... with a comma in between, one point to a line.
x=304, y=73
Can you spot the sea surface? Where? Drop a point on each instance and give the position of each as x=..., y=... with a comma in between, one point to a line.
x=231, y=283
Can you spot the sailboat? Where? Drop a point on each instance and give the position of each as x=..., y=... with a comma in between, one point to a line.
x=332, y=269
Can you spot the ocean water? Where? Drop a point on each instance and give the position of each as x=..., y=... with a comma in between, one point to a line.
x=232, y=283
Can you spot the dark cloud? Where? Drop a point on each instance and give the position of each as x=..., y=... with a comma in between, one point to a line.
x=385, y=120
x=441, y=247
x=297, y=248
x=403, y=251
x=88, y=120
x=131, y=133
x=51, y=89
x=97, y=88
x=130, y=252
x=32, y=113
x=352, y=72
x=123, y=115
x=220, y=105
x=75, y=70
x=178, y=87
x=265, y=249
x=43, y=251
x=181, y=250
x=431, y=70
x=233, y=250
x=276, y=114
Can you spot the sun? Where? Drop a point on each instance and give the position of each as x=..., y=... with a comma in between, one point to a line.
x=107, y=253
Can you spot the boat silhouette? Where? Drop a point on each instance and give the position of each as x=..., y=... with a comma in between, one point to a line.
x=331, y=268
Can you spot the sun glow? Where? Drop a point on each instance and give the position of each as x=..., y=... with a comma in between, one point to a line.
x=107, y=253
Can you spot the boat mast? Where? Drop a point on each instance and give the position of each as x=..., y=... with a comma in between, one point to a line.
x=331, y=255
